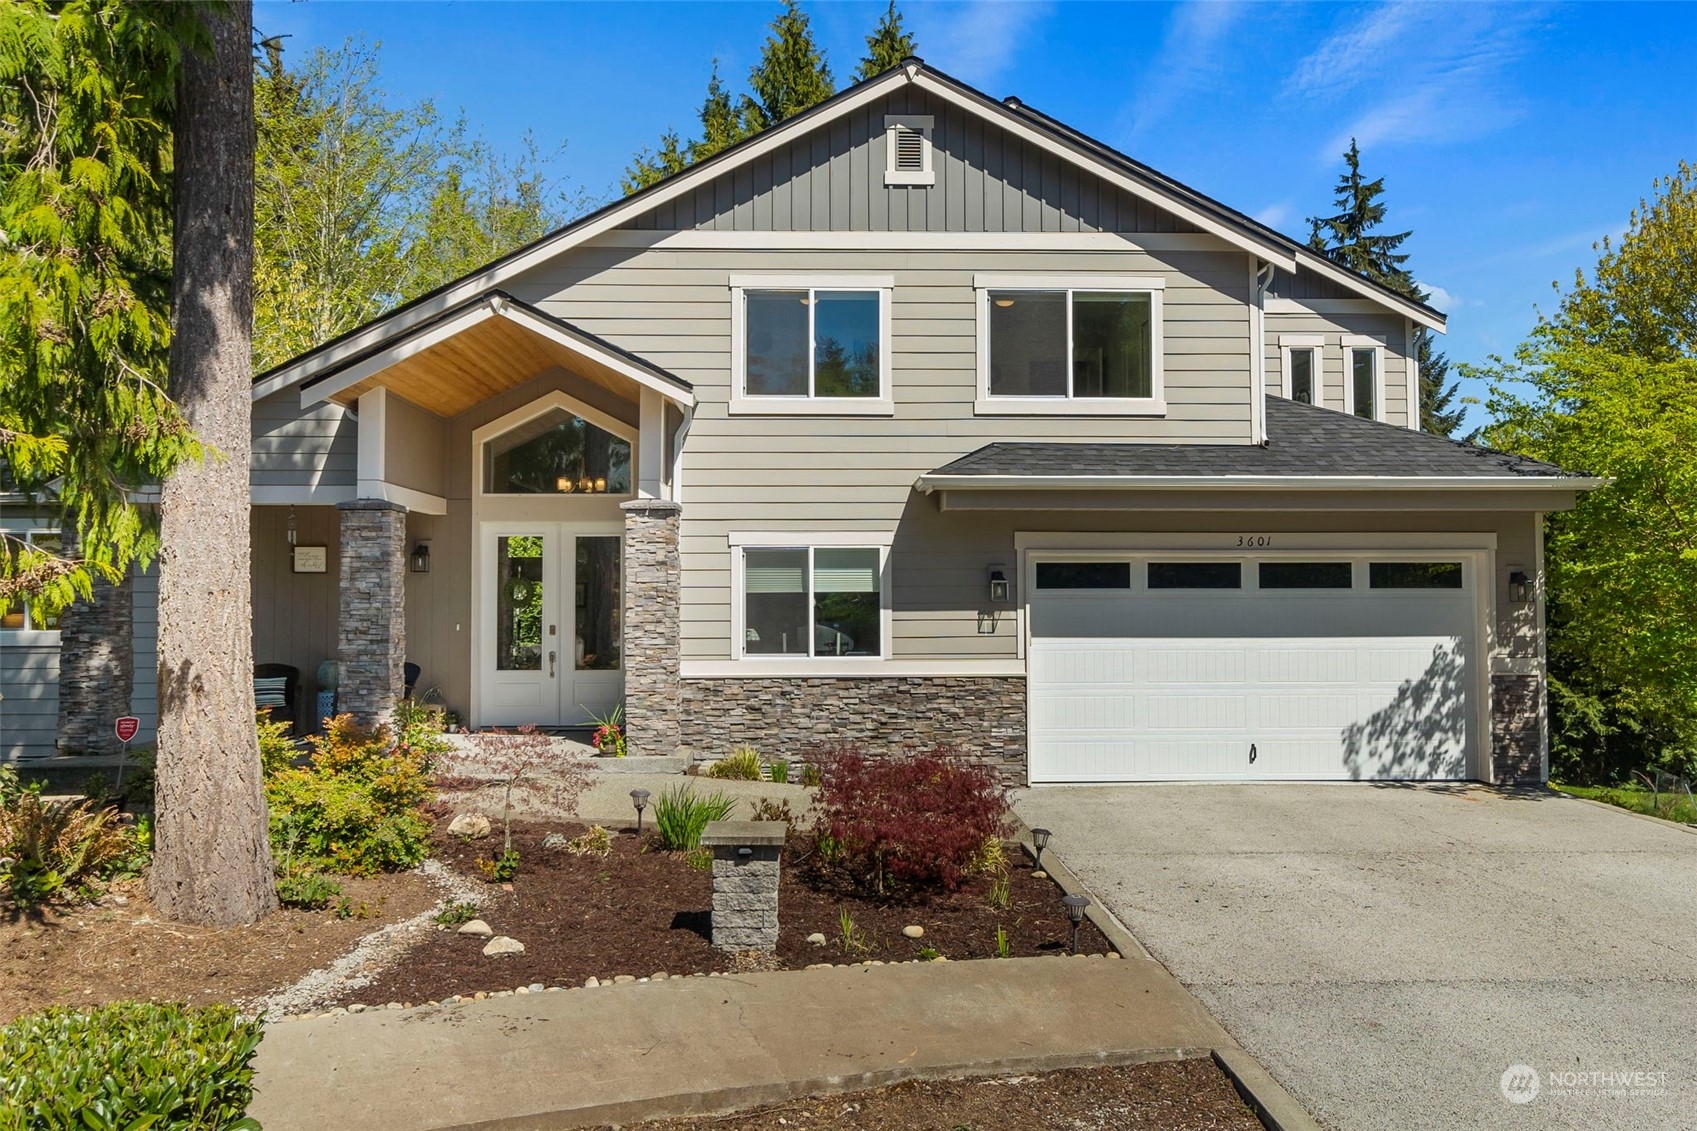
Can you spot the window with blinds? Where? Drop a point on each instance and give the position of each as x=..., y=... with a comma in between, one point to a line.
x=812, y=601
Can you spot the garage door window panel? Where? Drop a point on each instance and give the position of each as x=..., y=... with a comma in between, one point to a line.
x=1305, y=575
x=1084, y=575
x=1414, y=575
x=1195, y=575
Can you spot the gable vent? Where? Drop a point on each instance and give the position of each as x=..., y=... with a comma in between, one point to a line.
x=908, y=161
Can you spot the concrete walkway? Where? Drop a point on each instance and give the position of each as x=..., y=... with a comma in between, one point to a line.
x=691, y=1045
x=1389, y=952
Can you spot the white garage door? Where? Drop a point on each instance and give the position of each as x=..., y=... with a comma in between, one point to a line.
x=1326, y=668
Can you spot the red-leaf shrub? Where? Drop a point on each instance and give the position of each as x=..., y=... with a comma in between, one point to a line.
x=911, y=820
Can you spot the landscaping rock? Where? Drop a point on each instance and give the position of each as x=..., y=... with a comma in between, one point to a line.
x=472, y=826
x=1039, y=874
x=501, y=944
x=556, y=840
x=816, y=938
x=914, y=931
x=621, y=979
x=356, y=1008
x=477, y=927
x=537, y=987
x=591, y=982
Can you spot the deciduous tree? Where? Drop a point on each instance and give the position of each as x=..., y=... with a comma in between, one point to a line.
x=1608, y=385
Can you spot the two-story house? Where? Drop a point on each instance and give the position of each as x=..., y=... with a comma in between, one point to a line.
x=917, y=418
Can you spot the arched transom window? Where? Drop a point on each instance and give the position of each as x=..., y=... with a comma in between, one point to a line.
x=556, y=453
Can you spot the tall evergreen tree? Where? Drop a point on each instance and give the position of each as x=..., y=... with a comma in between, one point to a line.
x=212, y=856
x=887, y=46
x=1350, y=239
x=792, y=74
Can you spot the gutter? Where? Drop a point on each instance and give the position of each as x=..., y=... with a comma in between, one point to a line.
x=928, y=484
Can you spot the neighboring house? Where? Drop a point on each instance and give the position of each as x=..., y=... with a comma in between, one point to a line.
x=918, y=418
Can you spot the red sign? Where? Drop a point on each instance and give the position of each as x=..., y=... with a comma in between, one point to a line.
x=127, y=727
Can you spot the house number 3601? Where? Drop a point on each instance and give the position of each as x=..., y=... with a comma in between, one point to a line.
x=1259, y=541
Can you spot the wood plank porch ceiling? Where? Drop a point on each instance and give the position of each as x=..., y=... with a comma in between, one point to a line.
x=480, y=361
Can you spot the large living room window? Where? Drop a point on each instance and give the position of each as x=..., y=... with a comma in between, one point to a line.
x=811, y=601
x=1069, y=344
x=811, y=344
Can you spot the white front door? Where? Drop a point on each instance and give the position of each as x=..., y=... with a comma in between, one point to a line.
x=551, y=623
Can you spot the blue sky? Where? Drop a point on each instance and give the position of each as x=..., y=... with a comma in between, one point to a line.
x=1512, y=135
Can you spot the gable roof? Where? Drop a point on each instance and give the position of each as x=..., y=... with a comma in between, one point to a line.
x=1307, y=447
x=1207, y=214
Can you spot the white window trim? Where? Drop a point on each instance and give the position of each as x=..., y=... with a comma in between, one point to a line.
x=741, y=541
x=1315, y=342
x=29, y=635
x=984, y=404
x=1353, y=342
x=744, y=405
x=922, y=124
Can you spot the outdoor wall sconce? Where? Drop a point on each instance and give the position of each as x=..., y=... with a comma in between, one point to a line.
x=419, y=561
x=998, y=585
x=1040, y=841
x=1075, y=905
x=639, y=798
x=1519, y=587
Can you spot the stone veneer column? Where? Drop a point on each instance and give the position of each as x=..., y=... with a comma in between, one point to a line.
x=96, y=668
x=1517, y=729
x=652, y=637
x=371, y=632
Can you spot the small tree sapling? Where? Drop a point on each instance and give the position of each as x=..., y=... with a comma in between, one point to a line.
x=528, y=760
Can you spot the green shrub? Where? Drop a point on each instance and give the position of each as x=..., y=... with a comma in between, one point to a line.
x=810, y=775
x=780, y=772
x=128, y=1066
x=680, y=814
x=58, y=846
x=455, y=914
x=277, y=751
x=501, y=869
x=357, y=809
x=739, y=765
x=597, y=841
x=11, y=788
x=308, y=891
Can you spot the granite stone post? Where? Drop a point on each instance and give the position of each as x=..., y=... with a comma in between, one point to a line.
x=652, y=638
x=96, y=668
x=745, y=882
x=371, y=631
x=1517, y=729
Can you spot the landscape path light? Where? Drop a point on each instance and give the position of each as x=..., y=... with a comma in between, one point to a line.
x=639, y=798
x=1040, y=841
x=1075, y=905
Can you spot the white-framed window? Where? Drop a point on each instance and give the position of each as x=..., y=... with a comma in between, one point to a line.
x=22, y=616
x=1364, y=376
x=811, y=344
x=556, y=446
x=1070, y=345
x=1301, y=365
x=799, y=596
x=907, y=159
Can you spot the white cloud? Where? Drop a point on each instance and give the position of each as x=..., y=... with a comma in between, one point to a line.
x=1187, y=57
x=1439, y=297
x=1276, y=215
x=1409, y=71
x=978, y=40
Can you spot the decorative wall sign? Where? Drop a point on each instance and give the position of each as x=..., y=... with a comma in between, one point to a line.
x=311, y=559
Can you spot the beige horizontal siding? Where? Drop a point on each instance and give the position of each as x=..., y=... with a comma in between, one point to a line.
x=1393, y=328
x=296, y=447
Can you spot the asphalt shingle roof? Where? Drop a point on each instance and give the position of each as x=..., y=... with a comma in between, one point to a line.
x=1302, y=440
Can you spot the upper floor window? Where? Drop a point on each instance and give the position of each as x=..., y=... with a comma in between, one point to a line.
x=1364, y=364
x=557, y=453
x=1071, y=345
x=22, y=616
x=1301, y=356
x=811, y=344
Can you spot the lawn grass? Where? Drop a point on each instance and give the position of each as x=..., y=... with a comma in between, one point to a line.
x=1675, y=807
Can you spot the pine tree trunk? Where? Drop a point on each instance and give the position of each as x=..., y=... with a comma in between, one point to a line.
x=212, y=862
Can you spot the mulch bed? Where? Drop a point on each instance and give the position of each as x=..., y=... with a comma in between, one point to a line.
x=639, y=912
x=1173, y=1095
x=119, y=950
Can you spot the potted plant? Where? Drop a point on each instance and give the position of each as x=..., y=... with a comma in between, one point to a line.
x=609, y=736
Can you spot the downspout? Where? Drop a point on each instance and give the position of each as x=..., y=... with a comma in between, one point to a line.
x=1258, y=356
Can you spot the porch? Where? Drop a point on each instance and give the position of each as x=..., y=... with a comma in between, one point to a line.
x=502, y=517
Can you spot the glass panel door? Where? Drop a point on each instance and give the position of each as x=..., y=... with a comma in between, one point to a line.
x=519, y=635
x=596, y=682
x=520, y=585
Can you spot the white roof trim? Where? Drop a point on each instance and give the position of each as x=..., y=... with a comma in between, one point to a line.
x=930, y=483
x=494, y=306
x=572, y=235
x=1320, y=265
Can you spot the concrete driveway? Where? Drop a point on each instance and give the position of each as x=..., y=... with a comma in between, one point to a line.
x=1389, y=952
